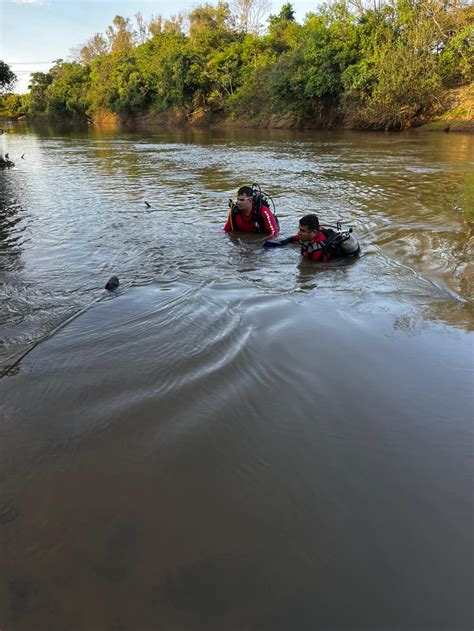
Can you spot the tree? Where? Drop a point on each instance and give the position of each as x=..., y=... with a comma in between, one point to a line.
x=209, y=26
x=155, y=25
x=142, y=28
x=286, y=15
x=7, y=78
x=120, y=35
x=67, y=95
x=223, y=72
x=281, y=27
x=174, y=23
x=93, y=48
x=250, y=13
x=409, y=53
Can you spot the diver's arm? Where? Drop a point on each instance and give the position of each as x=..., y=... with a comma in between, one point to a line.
x=281, y=242
x=270, y=222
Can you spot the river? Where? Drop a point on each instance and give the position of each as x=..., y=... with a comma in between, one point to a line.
x=234, y=439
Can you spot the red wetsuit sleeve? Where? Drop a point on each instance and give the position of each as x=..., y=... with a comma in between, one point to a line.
x=270, y=222
x=228, y=225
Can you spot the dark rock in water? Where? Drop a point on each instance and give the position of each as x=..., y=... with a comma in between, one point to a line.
x=112, y=283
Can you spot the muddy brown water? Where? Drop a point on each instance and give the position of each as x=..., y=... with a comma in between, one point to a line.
x=234, y=440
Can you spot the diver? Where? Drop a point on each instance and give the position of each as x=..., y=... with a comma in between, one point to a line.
x=320, y=244
x=251, y=213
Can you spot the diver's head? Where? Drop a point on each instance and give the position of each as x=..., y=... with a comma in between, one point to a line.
x=308, y=227
x=245, y=199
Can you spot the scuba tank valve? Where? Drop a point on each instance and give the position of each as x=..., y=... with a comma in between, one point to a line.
x=349, y=244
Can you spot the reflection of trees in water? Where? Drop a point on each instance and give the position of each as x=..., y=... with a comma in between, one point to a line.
x=451, y=312
x=467, y=201
x=46, y=129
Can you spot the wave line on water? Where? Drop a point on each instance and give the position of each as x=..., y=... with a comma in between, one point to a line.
x=4, y=372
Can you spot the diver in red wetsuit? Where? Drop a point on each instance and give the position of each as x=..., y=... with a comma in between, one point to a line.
x=313, y=240
x=320, y=244
x=251, y=214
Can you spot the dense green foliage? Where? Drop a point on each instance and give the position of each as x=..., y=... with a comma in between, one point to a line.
x=384, y=68
x=7, y=77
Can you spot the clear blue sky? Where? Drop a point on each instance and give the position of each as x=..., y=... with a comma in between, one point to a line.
x=35, y=32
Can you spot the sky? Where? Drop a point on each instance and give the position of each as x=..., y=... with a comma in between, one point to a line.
x=33, y=33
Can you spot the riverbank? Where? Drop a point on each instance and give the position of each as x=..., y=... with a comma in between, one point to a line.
x=209, y=119
x=453, y=113
x=456, y=114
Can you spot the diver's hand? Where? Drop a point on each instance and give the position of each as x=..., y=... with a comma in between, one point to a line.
x=269, y=243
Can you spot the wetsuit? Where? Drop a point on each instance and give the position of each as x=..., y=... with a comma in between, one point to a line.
x=320, y=249
x=267, y=224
